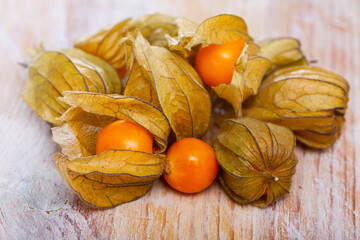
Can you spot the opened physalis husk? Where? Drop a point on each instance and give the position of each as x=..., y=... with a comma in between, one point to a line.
x=106, y=43
x=308, y=100
x=186, y=32
x=249, y=68
x=247, y=75
x=256, y=159
x=51, y=73
x=220, y=29
x=283, y=52
x=166, y=80
x=115, y=176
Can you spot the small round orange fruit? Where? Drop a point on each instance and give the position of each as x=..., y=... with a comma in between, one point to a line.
x=215, y=63
x=190, y=165
x=122, y=71
x=124, y=135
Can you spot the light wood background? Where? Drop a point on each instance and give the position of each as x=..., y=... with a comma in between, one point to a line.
x=324, y=202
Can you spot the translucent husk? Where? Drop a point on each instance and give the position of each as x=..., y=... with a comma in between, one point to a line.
x=115, y=176
x=308, y=100
x=106, y=44
x=257, y=160
x=51, y=73
x=249, y=68
x=282, y=52
x=169, y=82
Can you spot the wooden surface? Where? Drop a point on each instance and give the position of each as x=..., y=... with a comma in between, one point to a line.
x=324, y=202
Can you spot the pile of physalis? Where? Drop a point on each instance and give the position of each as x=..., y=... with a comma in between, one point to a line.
x=129, y=105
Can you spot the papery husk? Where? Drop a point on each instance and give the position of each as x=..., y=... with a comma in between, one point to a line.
x=106, y=44
x=282, y=52
x=308, y=100
x=105, y=181
x=214, y=30
x=186, y=31
x=247, y=76
x=139, y=79
x=249, y=68
x=220, y=29
x=169, y=82
x=115, y=176
x=53, y=72
x=257, y=160
x=103, y=109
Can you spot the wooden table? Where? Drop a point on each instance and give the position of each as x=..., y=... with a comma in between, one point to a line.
x=324, y=202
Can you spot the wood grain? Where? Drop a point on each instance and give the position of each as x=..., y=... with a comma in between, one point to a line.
x=35, y=204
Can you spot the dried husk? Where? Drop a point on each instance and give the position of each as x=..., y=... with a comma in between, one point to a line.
x=106, y=184
x=139, y=78
x=106, y=44
x=220, y=29
x=282, y=52
x=247, y=75
x=53, y=72
x=308, y=100
x=169, y=82
x=186, y=31
x=115, y=176
x=257, y=160
x=249, y=68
